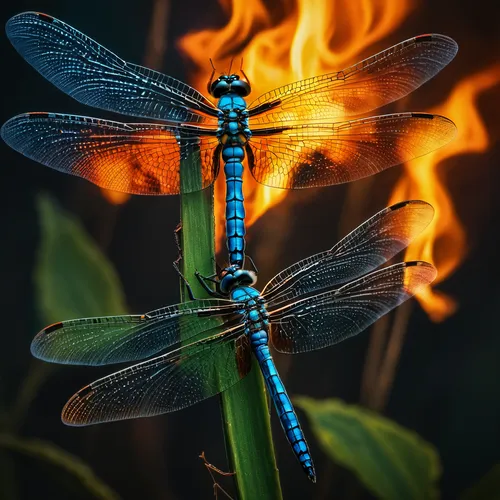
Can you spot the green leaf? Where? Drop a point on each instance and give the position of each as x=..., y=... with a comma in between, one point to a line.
x=487, y=488
x=391, y=461
x=73, y=278
x=50, y=453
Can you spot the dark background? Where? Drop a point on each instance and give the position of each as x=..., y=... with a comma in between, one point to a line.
x=447, y=386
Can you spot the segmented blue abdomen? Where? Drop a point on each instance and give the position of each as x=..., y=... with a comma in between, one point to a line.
x=233, y=133
x=282, y=403
x=235, y=209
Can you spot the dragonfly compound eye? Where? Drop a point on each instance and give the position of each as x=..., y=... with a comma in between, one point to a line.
x=245, y=277
x=227, y=283
x=219, y=88
x=241, y=88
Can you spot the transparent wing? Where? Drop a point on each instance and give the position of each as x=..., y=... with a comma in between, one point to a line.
x=368, y=85
x=116, y=339
x=93, y=75
x=364, y=249
x=303, y=156
x=333, y=316
x=163, y=384
x=127, y=157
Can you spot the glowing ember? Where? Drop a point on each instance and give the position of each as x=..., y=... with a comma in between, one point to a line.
x=444, y=241
x=313, y=38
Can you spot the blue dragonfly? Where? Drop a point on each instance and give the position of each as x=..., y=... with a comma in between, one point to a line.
x=195, y=350
x=290, y=137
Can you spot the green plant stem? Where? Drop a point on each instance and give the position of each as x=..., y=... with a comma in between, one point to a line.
x=247, y=429
x=244, y=406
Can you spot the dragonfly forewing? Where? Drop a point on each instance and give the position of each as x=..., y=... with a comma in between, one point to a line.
x=117, y=339
x=93, y=75
x=374, y=82
x=364, y=249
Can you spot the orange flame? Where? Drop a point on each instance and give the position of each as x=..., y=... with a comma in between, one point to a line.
x=313, y=38
x=444, y=242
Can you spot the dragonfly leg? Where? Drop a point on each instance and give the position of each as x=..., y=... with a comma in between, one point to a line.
x=203, y=282
x=211, y=278
x=177, y=239
x=183, y=278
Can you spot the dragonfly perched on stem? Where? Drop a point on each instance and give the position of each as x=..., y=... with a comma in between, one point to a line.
x=203, y=347
x=292, y=137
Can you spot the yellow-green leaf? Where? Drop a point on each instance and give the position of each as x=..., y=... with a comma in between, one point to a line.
x=487, y=488
x=392, y=462
x=50, y=453
x=74, y=278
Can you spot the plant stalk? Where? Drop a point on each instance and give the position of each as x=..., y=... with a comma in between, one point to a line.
x=245, y=412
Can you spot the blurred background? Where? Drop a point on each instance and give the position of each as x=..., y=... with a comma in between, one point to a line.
x=432, y=366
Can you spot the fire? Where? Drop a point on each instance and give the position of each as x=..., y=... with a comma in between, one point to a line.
x=314, y=37
x=444, y=242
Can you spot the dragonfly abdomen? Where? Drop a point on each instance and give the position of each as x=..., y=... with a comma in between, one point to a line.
x=282, y=403
x=235, y=209
x=233, y=134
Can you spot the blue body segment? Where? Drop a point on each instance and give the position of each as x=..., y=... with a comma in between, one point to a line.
x=233, y=133
x=257, y=328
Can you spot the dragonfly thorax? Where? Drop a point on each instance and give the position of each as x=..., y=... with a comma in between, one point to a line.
x=234, y=277
x=229, y=83
x=249, y=295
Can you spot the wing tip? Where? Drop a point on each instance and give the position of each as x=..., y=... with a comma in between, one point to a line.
x=450, y=43
x=444, y=121
x=38, y=343
x=427, y=273
x=426, y=116
x=71, y=413
x=422, y=263
x=431, y=116
x=426, y=211
x=52, y=328
x=23, y=17
x=15, y=120
x=405, y=203
x=45, y=17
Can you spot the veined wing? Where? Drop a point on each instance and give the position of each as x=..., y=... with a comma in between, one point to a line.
x=368, y=85
x=95, y=76
x=116, y=339
x=333, y=316
x=128, y=157
x=364, y=249
x=315, y=155
x=163, y=384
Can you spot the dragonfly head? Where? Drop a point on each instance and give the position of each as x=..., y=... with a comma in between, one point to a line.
x=233, y=277
x=229, y=83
